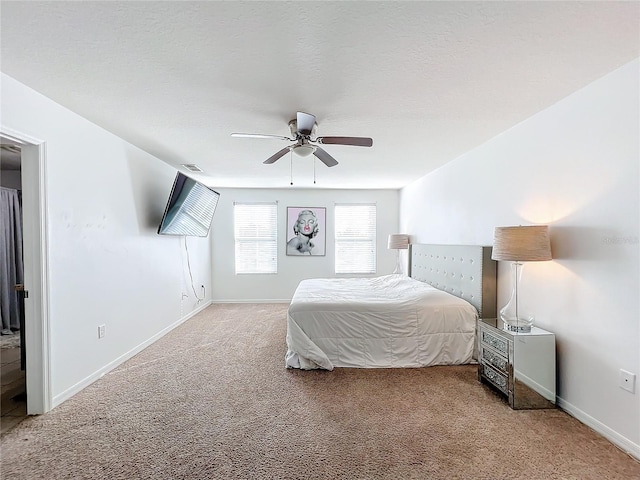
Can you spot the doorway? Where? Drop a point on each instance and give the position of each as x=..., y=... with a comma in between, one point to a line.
x=13, y=401
x=35, y=332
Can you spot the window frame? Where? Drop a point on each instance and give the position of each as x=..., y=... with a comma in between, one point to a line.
x=370, y=239
x=258, y=240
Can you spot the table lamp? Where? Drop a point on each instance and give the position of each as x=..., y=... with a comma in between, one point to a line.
x=398, y=241
x=517, y=245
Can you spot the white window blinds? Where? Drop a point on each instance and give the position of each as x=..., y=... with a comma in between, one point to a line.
x=256, y=237
x=355, y=238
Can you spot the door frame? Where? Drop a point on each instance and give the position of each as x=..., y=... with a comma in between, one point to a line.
x=36, y=270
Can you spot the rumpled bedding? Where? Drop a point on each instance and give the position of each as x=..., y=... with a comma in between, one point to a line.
x=392, y=321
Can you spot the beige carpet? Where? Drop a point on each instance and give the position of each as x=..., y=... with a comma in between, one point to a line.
x=212, y=400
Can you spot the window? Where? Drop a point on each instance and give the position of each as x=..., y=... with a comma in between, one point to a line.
x=256, y=237
x=355, y=238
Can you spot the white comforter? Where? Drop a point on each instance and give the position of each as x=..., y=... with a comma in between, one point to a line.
x=382, y=322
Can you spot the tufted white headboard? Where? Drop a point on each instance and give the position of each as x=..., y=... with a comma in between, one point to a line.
x=465, y=271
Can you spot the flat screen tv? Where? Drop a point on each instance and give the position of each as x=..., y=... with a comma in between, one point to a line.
x=190, y=208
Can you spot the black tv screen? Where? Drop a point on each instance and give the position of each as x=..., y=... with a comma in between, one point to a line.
x=190, y=208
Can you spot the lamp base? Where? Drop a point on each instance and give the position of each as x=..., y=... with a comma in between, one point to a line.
x=398, y=269
x=510, y=314
x=516, y=326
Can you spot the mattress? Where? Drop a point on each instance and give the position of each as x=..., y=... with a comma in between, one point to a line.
x=392, y=321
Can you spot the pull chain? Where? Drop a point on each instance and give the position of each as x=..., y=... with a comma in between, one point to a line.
x=291, y=160
x=314, y=171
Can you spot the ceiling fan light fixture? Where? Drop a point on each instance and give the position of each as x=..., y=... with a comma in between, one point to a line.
x=303, y=133
x=304, y=150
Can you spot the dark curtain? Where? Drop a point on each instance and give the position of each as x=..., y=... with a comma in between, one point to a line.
x=11, y=266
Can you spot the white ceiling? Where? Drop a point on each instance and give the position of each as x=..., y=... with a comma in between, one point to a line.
x=427, y=81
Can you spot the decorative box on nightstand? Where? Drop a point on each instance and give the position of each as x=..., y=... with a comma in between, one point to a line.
x=521, y=366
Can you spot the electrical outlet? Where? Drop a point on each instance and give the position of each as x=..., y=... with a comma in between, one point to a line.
x=627, y=381
x=101, y=331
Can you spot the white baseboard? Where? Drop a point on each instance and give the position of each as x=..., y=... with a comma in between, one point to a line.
x=614, y=437
x=70, y=392
x=271, y=300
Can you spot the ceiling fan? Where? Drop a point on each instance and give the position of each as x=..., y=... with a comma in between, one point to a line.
x=303, y=130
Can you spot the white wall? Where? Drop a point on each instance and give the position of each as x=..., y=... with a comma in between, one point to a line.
x=228, y=287
x=107, y=265
x=575, y=167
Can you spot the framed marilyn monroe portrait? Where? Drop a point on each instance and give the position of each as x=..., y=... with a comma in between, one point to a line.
x=306, y=233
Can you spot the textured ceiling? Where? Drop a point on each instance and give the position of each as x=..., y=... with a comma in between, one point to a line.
x=427, y=81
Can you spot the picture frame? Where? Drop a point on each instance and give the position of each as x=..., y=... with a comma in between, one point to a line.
x=306, y=231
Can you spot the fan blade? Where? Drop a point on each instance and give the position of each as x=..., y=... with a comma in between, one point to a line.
x=305, y=123
x=260, y=135
x=356, y=141
x=325, y=158
x=276, y=156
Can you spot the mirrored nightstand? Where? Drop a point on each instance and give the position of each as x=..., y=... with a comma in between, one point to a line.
x=520, y=366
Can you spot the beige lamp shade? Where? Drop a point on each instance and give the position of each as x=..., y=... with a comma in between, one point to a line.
x=522, y=244
x=398, y=241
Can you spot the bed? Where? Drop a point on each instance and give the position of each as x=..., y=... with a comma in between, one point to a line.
x=395, y=321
